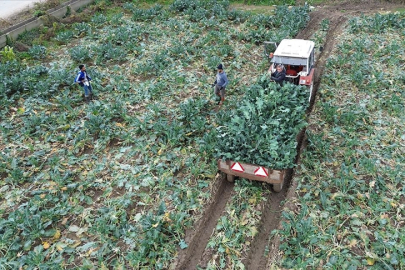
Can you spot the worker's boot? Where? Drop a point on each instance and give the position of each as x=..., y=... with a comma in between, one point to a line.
x=218, y=99
x=91, y=95
x=87, y=99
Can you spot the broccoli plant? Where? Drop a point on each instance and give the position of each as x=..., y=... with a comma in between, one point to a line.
x=264, y=126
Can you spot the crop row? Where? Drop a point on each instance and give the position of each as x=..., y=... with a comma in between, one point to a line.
x=350, y=191
x=263, y=129
x=115, y=183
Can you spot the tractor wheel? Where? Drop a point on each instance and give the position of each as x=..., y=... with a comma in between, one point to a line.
x=278, y=187
x=311, y=88
x=230, y=178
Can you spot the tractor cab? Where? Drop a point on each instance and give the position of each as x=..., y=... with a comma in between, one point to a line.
x=298, y=58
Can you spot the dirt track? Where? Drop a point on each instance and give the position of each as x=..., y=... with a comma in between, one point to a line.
x=198, y=237
x=337, y=14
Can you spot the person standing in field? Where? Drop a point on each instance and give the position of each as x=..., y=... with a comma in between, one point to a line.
x=279, y=75
x=83, y=79
x=220, y=83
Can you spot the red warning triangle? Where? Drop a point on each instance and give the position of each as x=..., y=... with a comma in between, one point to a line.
x=237, y=167
x=261, y=172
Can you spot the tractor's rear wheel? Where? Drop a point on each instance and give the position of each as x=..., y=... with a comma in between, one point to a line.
x=230, y=178
x=278, y=187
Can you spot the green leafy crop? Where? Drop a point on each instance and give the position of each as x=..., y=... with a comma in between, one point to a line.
x=263, y=129
x=7, y=54
x=350, y=179
x=116, y=183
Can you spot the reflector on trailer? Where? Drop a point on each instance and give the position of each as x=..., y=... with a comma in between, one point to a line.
x=237, y=167
x=261, y=172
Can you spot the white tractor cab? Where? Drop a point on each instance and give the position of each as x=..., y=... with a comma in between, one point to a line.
x=298, y=58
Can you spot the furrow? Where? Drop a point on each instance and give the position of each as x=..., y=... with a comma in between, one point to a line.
x=198, y=237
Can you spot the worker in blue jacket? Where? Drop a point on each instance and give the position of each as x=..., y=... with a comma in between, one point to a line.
x=220, y=83
x=83, y=79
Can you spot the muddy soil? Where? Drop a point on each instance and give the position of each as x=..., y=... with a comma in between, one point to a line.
x=198, y=237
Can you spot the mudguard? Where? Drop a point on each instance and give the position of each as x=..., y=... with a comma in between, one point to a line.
x=307, y=80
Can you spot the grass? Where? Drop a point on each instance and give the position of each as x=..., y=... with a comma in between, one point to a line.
x=400, y=9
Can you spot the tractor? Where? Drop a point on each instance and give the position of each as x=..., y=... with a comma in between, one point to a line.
x=298, y=58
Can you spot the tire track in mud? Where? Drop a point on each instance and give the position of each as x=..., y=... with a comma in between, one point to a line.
x=271, y=218
x=269, y=221
x=336, y=26
x=198, y=237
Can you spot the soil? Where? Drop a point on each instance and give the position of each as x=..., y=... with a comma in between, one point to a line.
x=198, y=237
x=28, y=13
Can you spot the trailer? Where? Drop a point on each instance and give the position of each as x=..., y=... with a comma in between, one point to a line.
x=234, y=169
x=297, y=56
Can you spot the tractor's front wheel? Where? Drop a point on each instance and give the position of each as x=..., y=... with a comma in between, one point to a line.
x=230, y=178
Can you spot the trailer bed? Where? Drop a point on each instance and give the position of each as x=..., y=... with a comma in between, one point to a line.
x=252, y=172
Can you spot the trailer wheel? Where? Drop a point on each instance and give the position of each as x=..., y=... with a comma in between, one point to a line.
x=230, y=178
x=278, y=187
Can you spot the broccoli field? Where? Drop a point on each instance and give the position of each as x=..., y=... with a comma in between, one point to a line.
x=118, y=181
x=130, y=181
x=351, y=178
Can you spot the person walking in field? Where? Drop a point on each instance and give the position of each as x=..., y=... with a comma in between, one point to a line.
x=220, y=83
x=83, y=79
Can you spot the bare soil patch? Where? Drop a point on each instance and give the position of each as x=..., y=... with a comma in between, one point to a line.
x=198, y=237
x=254, y=9
x=28, y=13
